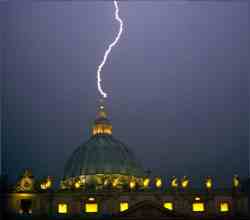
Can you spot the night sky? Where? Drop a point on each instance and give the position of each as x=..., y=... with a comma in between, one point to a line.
x=177, y=84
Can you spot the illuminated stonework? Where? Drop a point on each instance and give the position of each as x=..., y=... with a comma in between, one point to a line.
x=26, y=182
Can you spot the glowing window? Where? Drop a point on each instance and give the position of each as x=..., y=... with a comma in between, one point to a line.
x=123, y=206
x=168, y=205
x=62, y=208
x=91, y=207
x=224, y=207
x=198, y=207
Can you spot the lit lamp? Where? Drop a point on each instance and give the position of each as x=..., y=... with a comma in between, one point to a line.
x=174, y=182
x=158, y=182
x=209, y=183
x=184, y=182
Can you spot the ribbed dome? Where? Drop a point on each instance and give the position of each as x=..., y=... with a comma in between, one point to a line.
x=102, y=154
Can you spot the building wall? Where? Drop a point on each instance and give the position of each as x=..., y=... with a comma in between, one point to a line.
x=109, y=203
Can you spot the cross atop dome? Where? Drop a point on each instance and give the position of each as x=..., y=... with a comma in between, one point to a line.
x=102, y=125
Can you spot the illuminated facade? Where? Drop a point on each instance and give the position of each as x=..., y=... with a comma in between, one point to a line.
x=103, y=179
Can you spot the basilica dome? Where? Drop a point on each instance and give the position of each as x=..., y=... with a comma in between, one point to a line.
x=102, y=154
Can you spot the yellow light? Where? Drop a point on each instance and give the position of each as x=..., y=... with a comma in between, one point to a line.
x=198, y=207
x=26, y=195
x=115, y=182
x=106, y=182
x=158, y=182
x=184, y=183
x=197, y=198
x=224, y=207
x=77, y=185
x=236, y=181
x=62, y=208
x=123, y=206
x=146, y=182
x=91, y=199
x=91, y=207
x=43, y=186
x=48, y=184
x=174, y=182
x=168, y=205
x=132, y=184
x=209, y=183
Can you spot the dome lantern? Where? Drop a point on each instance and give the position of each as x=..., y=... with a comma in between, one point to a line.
x=102, y=125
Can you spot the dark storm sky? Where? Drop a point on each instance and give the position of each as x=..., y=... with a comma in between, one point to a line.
x=177, y=84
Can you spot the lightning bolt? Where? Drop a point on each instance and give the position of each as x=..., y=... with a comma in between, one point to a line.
x=106, y=54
